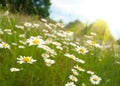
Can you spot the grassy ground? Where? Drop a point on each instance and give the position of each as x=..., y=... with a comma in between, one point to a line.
x=55, y=53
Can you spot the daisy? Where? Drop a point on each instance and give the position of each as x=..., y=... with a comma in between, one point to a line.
x=25, y=59
x=74, y=71
x=93, y=43
x=70, y=84
x=90, y=72
x=49, y=62
x=35, y=41
x=95, y=79
x=73, y=78
x=79, y=68
x=27, y=24
x=81, y=50
x=14, y=69
x=4, y=45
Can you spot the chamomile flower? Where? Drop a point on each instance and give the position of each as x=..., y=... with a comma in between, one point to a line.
x=81, y=50
x=90, y=72
x=95, y=79
x=93, y=43
x=73, y=78
x=19, y=26
x=4, y=45
x=14, y=69
x=74, y=71
x=49, y=62
x=27, y=24
x=25, y=59
x=79, y=68
x=35, y=41
x=70, y=84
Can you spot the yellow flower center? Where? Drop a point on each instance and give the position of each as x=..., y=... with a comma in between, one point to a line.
x=82, y=50
x=26, y=59
x=95, y=79
x=36, y=41
x=4, y=45
x=93, y=42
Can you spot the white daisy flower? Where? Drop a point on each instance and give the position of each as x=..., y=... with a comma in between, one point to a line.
x=45, y=56
x=25, y=59
x=49, y=62
x=27, y=24
x=93, y=43
x=95, y=79
x=19, y=26
x=14, y=69
x=81, y=50
x=79, y=68
x=90, y=72
x=73, y=78
x=4, y=45
x=74, y=71
x=35, y=41
x=70, y=84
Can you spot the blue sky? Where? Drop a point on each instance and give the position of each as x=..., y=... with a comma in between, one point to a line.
x=88, y=11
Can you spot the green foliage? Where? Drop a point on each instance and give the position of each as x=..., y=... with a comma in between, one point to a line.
x=102, y=61
x=99, y=27
x=39, y=7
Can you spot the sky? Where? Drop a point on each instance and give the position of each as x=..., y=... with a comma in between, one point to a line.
x=88, y=11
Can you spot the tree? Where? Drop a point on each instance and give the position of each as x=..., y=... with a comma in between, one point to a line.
x=39, y=7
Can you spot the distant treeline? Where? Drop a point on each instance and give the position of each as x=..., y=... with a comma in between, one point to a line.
x=39, y=7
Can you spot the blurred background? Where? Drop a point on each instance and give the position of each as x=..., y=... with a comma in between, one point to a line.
x=79, y=16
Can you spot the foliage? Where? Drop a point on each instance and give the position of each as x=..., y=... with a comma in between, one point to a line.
x=56, y=55
x=99, y=27
x=39, y=7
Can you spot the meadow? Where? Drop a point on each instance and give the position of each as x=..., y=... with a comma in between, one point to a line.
x=41, y=53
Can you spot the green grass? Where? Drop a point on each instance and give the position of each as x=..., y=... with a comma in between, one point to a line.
x=101, y=61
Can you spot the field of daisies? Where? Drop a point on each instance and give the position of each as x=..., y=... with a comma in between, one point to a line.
x=40, y=53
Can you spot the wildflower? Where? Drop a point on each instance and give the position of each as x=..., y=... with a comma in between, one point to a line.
x=49, y=62
x=4, y=45
x=93, y=43
x=69, y=33
x=48, y=26
x=79, y=68
x=43, y=20
x=83, y=84
x=70, y=56
x=22, y=35
x=92, y=33
x=27, y=24
x=74, y=71
x=14, y=69
x=14, y=44
x=36, y=25
x=20, y=27
x=90, y=72
x=35, y=41
x=81, y=50
x=95, y=79
x=70, y=84
x=25, y=59
x=20, y=46
x=73, y=78
x=79, y=60
x=6, y=13
x=45, y=55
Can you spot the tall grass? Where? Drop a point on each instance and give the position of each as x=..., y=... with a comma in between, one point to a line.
x=63, y=52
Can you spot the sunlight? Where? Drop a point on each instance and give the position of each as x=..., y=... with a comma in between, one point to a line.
x=88, y=10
